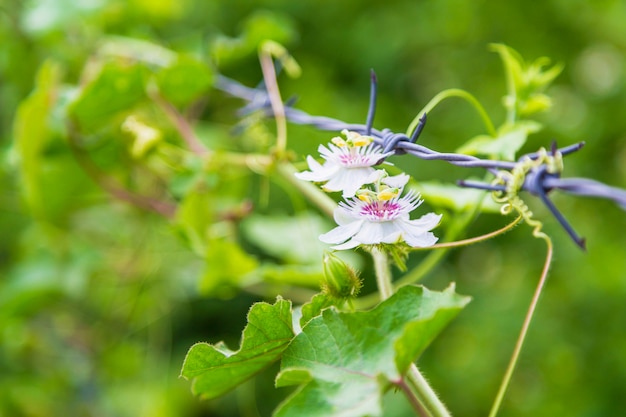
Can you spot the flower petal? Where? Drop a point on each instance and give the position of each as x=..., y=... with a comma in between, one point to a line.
x=370, y=233
x=343, y=217
x=341, y=233
x=421, y=241
x=396, y=181
x=350, y=244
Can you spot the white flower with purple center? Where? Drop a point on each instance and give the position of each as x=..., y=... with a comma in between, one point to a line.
x=381, y=216
x=348, y=164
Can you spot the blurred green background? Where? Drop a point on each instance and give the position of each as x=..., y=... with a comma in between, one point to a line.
x=99, y=301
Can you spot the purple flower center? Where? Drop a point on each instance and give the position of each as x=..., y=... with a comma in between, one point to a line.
x=381, y=211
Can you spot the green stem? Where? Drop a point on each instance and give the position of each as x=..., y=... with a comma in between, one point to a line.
x=425, y=394
x=309, y=190
x=413, y=397
x=455, y=92
x=383, y=273
x=269, y=77
x=522, y=335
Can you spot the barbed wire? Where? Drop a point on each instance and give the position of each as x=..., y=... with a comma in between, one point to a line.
x=539, y=179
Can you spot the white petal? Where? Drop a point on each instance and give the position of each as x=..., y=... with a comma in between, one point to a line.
x=350, y=244
x=423, y=224
x=341, y=233
x=318, y=173
x=354, y=179
x=391, y=232
x=396, y=181
x=371, y=233
x=343, y=216
x=420, y=241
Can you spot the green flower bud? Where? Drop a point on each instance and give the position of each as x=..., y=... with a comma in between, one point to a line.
x=340, y=280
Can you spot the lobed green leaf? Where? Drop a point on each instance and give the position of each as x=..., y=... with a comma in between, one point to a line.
x=346, y=361
x=215, y=370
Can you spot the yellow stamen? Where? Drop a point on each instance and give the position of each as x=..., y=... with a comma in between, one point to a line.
x=388, y=194
x=338, y=141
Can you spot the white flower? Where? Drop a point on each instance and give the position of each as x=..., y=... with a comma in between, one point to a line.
x=381, y=217
x=348, y=164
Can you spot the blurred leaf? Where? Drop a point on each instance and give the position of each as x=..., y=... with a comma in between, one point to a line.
x=116, y=88
x=194, y=217
x=525, y=82
x=32, y=134
x=454, y=197
x=184, y=80
x=226, y=265
x=48, y=15
x=301, y=275
x=510, y=140
x=136, y=49
x=346, y=361
x=259, y=27
x=215, y=370
x=292, y=239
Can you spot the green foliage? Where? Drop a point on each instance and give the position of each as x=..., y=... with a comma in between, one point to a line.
x=116, y=87
x=510, y=139
x=346, y=361
x=32, y=135
x=184, y=80
x=120, y=244
x=526, y=82
x=454, y=198
x=214, y=369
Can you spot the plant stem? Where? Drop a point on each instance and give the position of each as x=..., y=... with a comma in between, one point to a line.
x=425, y=394
x=383, y=273
x=269, y=76
x=455, y=92
x=522, y=335
x=309, y=190
x=412, y=397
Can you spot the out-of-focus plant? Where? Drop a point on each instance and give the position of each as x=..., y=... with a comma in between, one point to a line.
x=126, y=130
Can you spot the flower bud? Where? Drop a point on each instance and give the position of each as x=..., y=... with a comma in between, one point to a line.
x=340, y=280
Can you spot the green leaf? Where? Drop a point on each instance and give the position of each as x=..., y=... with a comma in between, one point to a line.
x=526, y=81
x=32, y=134
x=184, y=80
x=510, y=140
x=314, y=307
x=258, y=28
x=117, y=87
x=226, y=266
x=455, y=198
x=346, y=361
x=215, y=370
x=194, y=217
x=291, y=239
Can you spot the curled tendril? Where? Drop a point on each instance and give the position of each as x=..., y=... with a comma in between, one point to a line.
x=508, y=184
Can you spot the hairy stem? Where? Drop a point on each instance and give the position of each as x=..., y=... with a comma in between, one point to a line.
x=383, y=273
x=412, y=396
x=425, y=394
